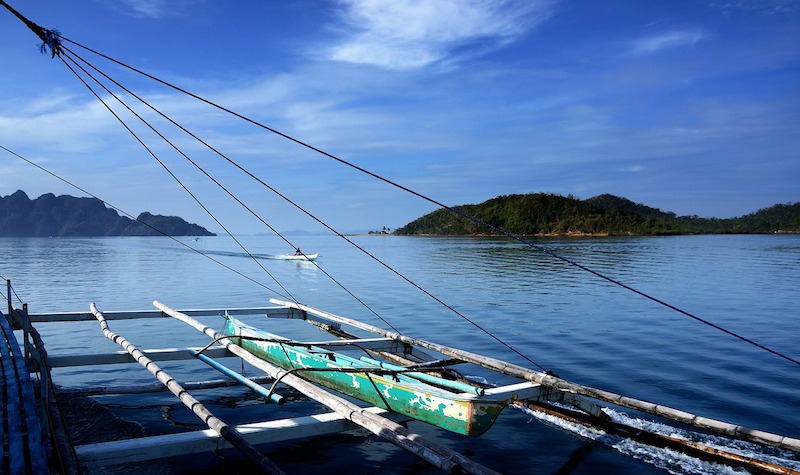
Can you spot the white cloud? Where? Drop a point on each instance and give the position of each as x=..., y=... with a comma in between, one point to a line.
x=153, y=8
x=669, y=39
x=410, y=34
x=633, y=169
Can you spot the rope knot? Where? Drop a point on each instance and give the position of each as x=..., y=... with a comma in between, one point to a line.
x=50, y=39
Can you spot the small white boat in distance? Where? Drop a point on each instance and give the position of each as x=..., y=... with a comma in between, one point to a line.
x=297, y=257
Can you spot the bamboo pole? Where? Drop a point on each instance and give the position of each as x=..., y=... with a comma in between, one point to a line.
x=752, y=435
x=256, y=388
x=694, y=449
x=439, y=456
x=458, y=386
x=153, y=388
x=223, y=429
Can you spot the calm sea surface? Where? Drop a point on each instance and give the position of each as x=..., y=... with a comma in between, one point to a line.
x=584, y=328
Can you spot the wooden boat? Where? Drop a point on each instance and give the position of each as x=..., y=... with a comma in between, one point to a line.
x=298, y=257
x=401, y=383
x=454, y=405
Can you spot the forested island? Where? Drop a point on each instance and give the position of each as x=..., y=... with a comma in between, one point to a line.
x=546, y=214
x=55, y=216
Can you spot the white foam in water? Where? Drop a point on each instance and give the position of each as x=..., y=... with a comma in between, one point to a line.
x=670, y=460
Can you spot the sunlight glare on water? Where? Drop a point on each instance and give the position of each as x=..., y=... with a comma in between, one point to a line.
x=586, y=329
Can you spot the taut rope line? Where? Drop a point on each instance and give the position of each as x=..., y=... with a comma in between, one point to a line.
x=52, y=39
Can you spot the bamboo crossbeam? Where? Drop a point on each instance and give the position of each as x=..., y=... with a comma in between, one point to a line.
x=752, y=435
x=439, y=456
x=143, y=449
x=135, y=314
x=164, y=354
x=223, y=429
x=695, y=449
x=153, y=388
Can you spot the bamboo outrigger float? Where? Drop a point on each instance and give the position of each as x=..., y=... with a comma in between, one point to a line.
x=397, y=374
x=461, y=405
x=394, y=362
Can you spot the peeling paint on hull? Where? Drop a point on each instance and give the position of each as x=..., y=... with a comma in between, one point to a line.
x=462, y=413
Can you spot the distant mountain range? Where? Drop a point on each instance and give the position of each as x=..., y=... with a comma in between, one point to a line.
x=50, y=215
x=543, y=214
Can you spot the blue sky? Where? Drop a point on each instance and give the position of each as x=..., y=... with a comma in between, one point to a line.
x=687, y=106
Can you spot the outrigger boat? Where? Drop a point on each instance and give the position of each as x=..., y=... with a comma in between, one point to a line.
x=394, y=372
x=412, y=390
x=403, y=375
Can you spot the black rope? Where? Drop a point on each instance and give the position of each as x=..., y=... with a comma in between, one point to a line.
x=448, y=208
x=286, y=198
x=193, y=249
x=439, y=301
x=51, y=39
x=57, y=50
x=13, y=290
x=220, y=185
x=160, y=162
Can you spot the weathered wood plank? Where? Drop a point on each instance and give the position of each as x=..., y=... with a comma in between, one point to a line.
x=3, y=408
x=25, y=445
x=33, y=428
x=15, y=444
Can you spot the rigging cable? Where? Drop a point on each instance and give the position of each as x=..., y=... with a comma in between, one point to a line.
x=220, y=185
x=160, y=162
x=375, y=258
x=448, y=208
x=13, y=290
x=52, y=39
x=198, y=251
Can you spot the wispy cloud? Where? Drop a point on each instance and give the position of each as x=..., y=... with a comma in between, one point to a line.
x=410, y=34
x=668, y=39
x=767, y=7
x=156, y=9
x=633, y=169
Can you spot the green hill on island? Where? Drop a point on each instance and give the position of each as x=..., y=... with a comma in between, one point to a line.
x=51, y=216
x=546, y=214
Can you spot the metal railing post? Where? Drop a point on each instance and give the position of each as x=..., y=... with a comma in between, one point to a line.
x=8, y=296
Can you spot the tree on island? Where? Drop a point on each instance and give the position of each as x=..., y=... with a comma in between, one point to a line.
x=547, y=214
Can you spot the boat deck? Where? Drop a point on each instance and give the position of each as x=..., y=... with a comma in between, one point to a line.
x=27, y=449
x=23, y=441
x=36, y=439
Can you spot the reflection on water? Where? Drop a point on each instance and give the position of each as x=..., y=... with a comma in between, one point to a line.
x=579, y=325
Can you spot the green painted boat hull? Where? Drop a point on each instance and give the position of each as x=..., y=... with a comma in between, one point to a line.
x=462, y=413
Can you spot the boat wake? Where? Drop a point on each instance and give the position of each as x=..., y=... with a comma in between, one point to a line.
x=241, y=254
x=670, y=460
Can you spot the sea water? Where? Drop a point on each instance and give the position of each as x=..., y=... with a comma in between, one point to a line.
x=607, y=328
